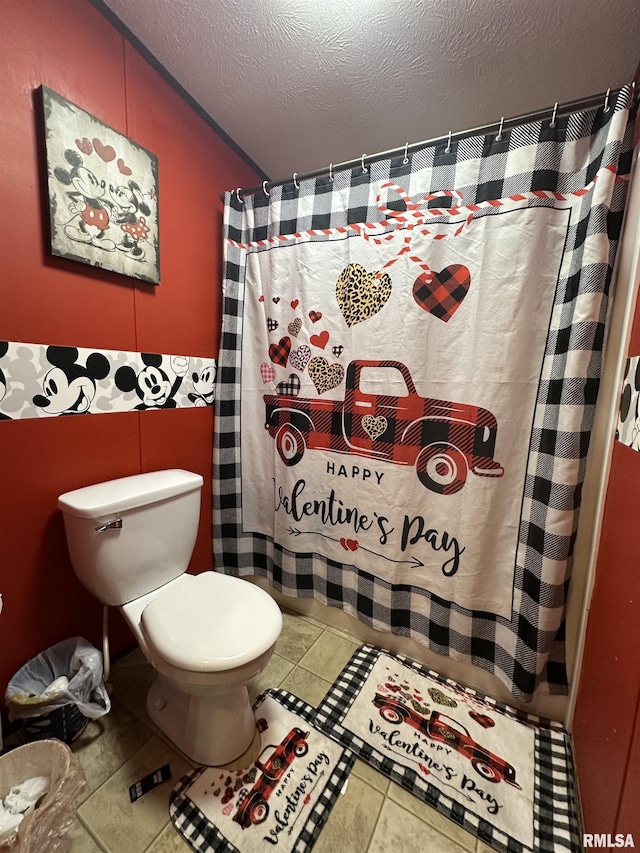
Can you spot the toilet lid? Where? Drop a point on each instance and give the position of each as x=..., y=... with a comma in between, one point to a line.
x=214, y=622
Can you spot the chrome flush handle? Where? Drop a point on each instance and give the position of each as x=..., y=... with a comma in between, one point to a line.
x=116, y=524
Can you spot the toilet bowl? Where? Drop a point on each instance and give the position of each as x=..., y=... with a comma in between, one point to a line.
x=206, y=635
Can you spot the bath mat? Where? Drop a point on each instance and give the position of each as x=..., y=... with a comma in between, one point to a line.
x=505, y=776
x=281, y=800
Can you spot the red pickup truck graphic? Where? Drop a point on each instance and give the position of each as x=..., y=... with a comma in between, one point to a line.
x=444, y=729
x=443, y=440
x=253, y=808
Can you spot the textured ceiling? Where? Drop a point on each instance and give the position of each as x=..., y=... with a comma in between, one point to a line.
x=298, y=84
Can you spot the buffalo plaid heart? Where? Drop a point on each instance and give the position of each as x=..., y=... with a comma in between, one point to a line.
x=279, y=353
x=272, y=325
x=290, y=387
x=441, y=293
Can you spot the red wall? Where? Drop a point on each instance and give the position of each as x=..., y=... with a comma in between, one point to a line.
x=607, y=721
x=69, y=47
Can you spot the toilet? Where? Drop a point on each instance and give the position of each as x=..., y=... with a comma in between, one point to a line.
x=207, y=635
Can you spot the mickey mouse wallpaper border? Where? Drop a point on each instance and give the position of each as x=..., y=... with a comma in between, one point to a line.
x=102, y=192
x=43, y=381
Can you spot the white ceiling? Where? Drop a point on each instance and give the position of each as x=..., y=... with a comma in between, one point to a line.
x=299, y=84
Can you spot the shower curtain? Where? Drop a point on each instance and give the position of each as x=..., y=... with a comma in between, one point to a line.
x=407, y=378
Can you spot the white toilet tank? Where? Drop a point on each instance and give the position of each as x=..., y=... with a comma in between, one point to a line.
x=130, y=536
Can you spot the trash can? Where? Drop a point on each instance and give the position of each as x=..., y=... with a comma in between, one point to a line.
x=56, y=693
x=44, y=828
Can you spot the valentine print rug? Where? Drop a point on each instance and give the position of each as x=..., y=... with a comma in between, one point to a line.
x=280, y=801
x=503, y=775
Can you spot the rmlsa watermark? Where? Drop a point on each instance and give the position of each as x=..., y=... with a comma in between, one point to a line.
x=607, y=841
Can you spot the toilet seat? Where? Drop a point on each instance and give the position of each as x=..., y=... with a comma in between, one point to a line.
x=211, y=623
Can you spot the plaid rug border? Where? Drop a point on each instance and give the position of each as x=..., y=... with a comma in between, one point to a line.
x=198, y=831
x=556, y=822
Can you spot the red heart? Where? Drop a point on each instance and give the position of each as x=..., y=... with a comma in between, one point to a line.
x=441, y=293
x=320, y=340
x=279, y=353
x=84, y=145
x=124, y=170
x=261, y=299
x=485, y=721
x=307, y=799
x=424, y=769
x=105, y=152
x=294, y=303
x=349, y=544
x=314, y=316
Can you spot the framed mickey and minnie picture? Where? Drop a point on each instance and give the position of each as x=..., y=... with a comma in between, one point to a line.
x=102, y=193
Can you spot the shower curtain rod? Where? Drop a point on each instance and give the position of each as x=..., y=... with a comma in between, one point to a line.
x=502, y=124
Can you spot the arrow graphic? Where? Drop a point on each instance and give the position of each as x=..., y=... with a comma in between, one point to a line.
x=414, y=562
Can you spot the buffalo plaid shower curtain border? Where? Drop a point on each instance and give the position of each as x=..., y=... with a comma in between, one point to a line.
x=585, y=158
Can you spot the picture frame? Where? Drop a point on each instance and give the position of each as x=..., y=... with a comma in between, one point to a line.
x=102, y=193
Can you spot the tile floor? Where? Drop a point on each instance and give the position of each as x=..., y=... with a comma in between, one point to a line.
x=373, y=816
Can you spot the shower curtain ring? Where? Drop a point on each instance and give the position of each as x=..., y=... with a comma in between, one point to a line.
x=264, y=188
x=238, y=196
x=330, y=171
x=499, y=136
x=364, y=169
x=606, y=101
x=553, y=117
x=405, y=159
x=447, y=150
x=295, y=181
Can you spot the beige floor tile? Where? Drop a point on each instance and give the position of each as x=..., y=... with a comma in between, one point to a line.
x=310, y=619
x=352, y=820
x=107, y=743
x=80, y=840
x=169, y=841
x=271, y=676
x=306, y=686
x=371, y=776
x=135, y=699
x=328, y=655
x=484, y=848
x=125, y=827
x=429, y=815
x=127, y=671
x=398, y=829
x=296, y=638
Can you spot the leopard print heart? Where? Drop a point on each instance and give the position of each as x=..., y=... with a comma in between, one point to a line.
x=440, y=698
x=325, y=376
x=299, y=357
x=250, y=776
x=361, y=294
x=374, y=426
x=294, y=327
